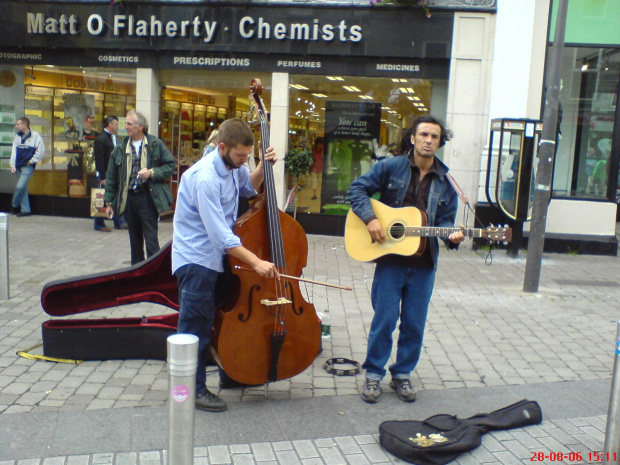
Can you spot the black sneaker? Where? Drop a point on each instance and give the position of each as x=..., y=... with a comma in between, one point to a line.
x=22, y=214
x=210, y=402
x=403, y=388
x=372, y=391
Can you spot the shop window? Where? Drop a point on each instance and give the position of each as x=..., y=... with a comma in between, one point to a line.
x=583, y=166
x=194, y=104
x=347, y=123
x=67, y=107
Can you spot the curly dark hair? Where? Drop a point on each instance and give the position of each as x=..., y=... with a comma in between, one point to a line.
x=446, y=134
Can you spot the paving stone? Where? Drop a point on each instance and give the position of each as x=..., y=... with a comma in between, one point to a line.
x=305, y=449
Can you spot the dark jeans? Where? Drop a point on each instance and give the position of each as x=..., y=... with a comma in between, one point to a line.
x=119, y=222
x=99, y=223
x=141, y=217
x=398, y=292
x=197, y=311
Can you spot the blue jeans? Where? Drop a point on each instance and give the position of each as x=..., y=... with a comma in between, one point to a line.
x=119, y=222
x=197, y=312
x=99, y=223
x=401, y=291
x=20, y=195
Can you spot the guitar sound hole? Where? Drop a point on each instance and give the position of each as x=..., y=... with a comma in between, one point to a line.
x=397, y=231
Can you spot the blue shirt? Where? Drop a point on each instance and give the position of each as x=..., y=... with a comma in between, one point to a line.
x=206, y=209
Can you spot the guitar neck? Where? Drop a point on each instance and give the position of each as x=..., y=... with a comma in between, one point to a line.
x=431, y=231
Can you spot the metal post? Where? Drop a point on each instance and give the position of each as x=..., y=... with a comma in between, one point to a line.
x=4, y=257
x=182, y=361
x=612, y=431
x=546, y=156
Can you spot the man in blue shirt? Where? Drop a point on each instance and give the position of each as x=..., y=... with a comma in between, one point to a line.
x=206, y=210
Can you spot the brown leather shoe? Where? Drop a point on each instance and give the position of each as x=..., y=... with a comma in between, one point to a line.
x=103, y=229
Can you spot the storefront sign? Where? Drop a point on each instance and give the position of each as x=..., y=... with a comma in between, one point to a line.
x=410, y=68
x=204, y=99
x=31, y=90
x=248, y=28
x=73, y=82
x=86, y=57
x=20, y=57
x=361, y=31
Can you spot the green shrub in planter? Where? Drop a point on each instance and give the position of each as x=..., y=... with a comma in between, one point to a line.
x=298, y=162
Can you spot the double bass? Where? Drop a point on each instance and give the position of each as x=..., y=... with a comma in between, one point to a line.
x=266, y=331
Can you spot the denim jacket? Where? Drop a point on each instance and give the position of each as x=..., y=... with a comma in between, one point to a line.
x=390, y=178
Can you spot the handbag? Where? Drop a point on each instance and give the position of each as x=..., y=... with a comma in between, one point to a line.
x=441, y=438
x=97, y=205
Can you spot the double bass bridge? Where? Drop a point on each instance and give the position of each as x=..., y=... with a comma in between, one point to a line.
x=278, y=301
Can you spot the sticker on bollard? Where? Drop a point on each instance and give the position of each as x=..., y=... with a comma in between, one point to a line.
x=180, y=393
x=182, y=361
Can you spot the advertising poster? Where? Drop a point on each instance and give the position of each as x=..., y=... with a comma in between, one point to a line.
x=351, y=136
x=79, y=121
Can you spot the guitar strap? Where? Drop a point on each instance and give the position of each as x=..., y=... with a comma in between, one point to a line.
x=458, y=189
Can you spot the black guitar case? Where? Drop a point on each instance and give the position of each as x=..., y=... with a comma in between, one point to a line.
x=441, y=438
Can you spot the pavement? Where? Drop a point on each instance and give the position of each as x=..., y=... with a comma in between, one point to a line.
x=488, y=344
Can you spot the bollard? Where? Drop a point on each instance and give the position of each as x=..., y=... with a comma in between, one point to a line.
x=4, y=257
x=182, y=361
x=612, y=431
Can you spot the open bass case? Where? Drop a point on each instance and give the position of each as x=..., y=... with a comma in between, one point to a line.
x=112, y=338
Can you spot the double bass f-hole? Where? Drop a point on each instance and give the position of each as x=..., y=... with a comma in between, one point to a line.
x=243, y=318
x=297, y=311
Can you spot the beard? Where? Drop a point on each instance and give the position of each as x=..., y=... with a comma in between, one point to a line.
x=229, y=162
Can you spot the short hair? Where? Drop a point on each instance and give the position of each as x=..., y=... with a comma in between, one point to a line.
x=140, y=119
x=446, y=134
x=235, y=131
x=25, y=120
x=108, y=120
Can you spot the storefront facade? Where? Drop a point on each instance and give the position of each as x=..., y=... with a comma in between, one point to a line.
x=583, y=209
x=586, y=168
x=342, y=82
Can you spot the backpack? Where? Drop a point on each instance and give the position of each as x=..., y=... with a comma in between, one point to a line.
x=441, y=438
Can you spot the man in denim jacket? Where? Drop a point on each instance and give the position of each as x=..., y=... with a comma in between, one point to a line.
x=403, y=285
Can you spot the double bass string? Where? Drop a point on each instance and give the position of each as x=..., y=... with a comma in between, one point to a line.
x=275, y=232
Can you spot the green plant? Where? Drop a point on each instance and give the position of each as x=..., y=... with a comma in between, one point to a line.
x=422, y=3
x=298, y=162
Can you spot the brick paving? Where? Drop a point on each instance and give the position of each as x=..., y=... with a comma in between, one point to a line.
x=518, y=446
x=483, y=333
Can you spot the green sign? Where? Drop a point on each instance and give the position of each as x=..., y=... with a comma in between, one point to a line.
x=589, y=22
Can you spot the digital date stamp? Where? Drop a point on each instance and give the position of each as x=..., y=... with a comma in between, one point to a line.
x=577, y=457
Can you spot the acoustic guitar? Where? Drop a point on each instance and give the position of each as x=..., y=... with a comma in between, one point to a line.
x=405, y=230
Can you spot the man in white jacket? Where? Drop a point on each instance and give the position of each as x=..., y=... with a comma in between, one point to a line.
x=28, y=150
